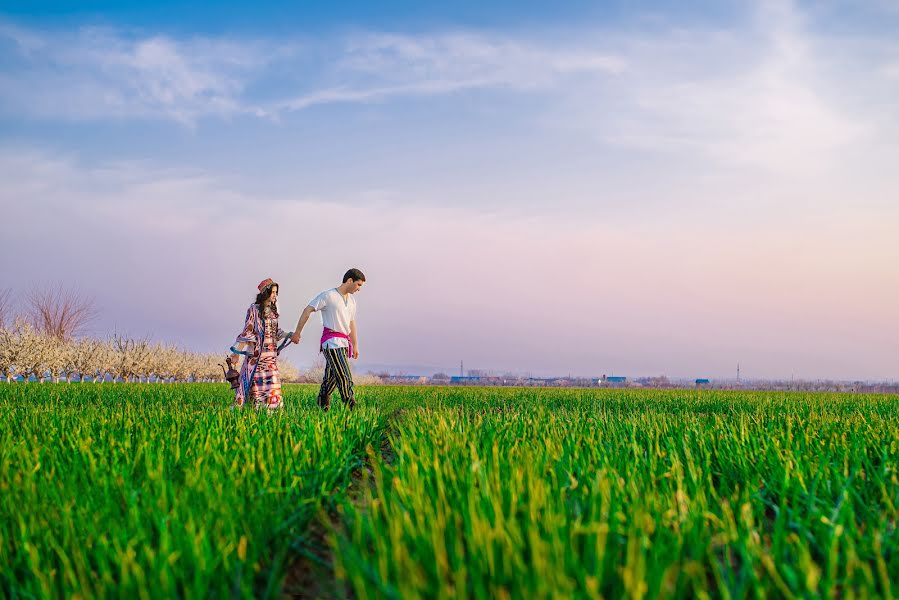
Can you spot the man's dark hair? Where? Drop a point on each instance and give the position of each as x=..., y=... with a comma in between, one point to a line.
x=354, y=274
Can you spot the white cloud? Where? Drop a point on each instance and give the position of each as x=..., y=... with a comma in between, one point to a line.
x=26, y=41
x=482, y=59
x=379, y=66
x=891, y=70
x=96, y=74
x=100, y=73
x=770, y=97
x=766, y=95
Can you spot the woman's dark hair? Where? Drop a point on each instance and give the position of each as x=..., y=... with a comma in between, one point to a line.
x=354, y=274
x=263, y=297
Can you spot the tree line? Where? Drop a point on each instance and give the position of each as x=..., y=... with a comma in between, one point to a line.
x=43, y=341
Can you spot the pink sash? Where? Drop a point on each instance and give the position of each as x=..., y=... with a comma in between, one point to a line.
x=328, y=334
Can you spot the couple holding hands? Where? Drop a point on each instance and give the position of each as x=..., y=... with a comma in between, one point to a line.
x=262, y=339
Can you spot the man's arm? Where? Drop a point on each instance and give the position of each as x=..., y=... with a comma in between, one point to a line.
x=354, y=338
x=307, y=312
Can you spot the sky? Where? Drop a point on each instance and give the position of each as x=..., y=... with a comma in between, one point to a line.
x=623, y=187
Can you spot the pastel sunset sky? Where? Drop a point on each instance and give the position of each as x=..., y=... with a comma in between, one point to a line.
x=619, y=187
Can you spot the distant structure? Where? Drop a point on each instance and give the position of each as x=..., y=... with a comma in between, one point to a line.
x=481, y=377
x=405, y=379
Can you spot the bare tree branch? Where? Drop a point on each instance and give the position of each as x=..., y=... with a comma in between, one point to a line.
x=5, y=306
x=59, y=312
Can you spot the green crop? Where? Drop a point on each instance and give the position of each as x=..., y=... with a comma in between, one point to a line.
x=159, y=491
x=553, y=494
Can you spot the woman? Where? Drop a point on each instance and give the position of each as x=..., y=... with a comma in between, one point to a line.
x=260, y=381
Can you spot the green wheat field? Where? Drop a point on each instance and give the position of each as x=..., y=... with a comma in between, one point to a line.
x=162, y=491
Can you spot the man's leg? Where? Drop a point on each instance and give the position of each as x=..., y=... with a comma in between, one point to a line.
x=344, y=377
x=329, y=382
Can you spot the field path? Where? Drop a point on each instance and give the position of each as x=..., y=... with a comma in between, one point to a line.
x=311, y=576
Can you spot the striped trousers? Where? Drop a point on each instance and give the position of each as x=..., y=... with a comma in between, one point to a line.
x=337, y=375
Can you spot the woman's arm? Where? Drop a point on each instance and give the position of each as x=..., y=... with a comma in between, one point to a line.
x=247, y=338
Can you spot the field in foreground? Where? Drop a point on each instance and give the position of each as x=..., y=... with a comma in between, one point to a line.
x=158, y=491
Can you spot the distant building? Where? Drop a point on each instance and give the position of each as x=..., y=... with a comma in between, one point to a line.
x=404, y=379
x=702, y=381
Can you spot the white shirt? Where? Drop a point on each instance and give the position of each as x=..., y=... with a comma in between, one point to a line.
x=337, y=314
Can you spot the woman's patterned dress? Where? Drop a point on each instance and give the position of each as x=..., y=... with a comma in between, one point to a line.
x=260, y=379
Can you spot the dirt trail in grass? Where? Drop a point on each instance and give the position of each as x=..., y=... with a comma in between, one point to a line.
x=311, y=574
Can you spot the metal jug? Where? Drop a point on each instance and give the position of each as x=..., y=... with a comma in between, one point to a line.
x=231, y=375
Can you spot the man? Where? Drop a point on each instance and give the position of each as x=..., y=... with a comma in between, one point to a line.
x=339, y=340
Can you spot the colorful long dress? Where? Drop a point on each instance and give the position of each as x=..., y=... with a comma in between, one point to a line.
x=260, y=379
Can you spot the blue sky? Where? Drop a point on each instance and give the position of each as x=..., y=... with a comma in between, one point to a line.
x=211, y=17
x=629, y=187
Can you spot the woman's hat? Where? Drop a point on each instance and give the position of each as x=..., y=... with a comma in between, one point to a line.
x=265, y=283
